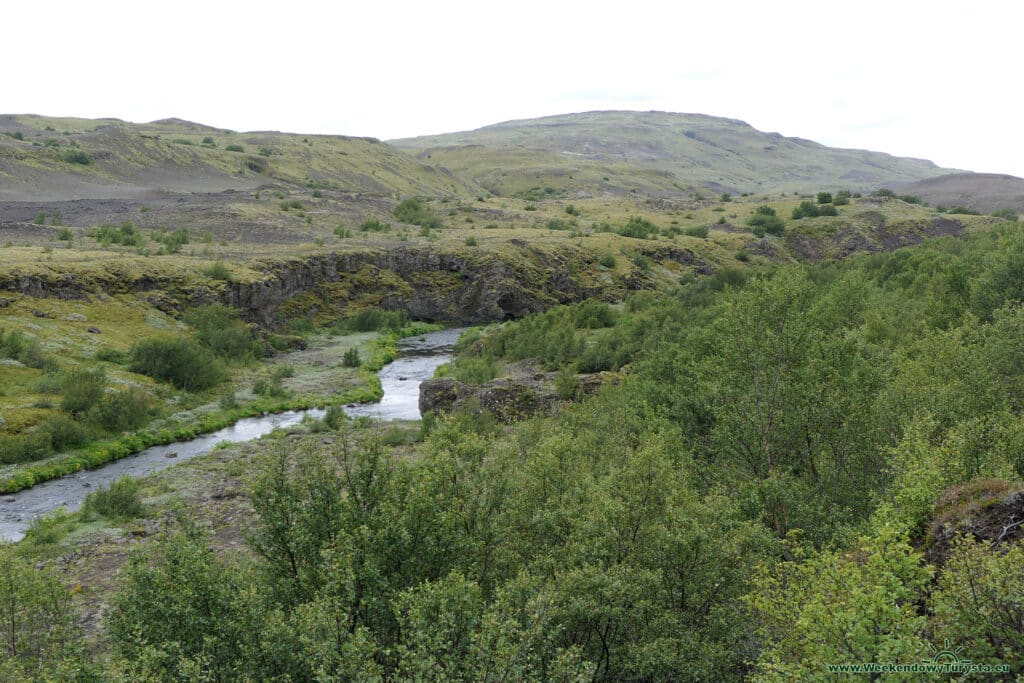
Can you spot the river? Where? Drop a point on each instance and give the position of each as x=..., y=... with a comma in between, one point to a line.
x=418, y=358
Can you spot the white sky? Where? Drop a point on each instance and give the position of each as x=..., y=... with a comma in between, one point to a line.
x=939, y=80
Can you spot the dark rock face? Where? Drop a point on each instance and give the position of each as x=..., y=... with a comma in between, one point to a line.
x=505, y=399
x=990, y=510
x=455, y=286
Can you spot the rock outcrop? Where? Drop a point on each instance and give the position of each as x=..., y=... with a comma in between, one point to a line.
x=507, y=399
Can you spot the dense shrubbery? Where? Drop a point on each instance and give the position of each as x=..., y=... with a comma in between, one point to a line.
x=374, y=319
x=221, y=330
x=119, y=501
x=751, y=500
x=17, y=346
x=122, y=411
x=638, y=227
x=414, y=212
x=182, y=362
x=812, y=210
x=82, y=389
x=765, y=221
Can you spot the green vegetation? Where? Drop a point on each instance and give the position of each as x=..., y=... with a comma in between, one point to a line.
x=182, y=362
x=414, y=212
x=791, y=453
x=812, y=210
x=638, y=228
x=351, y=359
x=76, y=156
x=120, y=501
x=766, y=221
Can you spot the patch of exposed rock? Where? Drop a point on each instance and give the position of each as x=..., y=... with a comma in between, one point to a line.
x=989, y=510
x=508, y=399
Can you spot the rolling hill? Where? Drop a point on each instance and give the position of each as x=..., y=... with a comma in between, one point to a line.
x=655, y=153
x=49, y=159
x=983, y=192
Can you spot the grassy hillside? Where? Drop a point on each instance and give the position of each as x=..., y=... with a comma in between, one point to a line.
x=63, y=159
x=983, y=192
x=666, y=154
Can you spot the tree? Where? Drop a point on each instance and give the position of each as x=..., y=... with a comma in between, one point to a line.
x=39, y=636
x=977, y=604
x=82, y=390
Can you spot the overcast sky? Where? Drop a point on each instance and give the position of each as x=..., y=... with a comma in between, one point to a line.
x=938, y=80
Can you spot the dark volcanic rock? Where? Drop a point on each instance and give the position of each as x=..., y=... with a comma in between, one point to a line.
x=505, y=399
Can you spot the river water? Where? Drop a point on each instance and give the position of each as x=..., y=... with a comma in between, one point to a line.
x=418, y=358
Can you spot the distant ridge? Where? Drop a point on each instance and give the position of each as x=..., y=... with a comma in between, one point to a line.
x=660, y=153
x=984, y=192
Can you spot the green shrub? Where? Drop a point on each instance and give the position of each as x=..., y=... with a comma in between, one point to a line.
x=126, y=234
x=109, y=355
x=121, y=501
x=765, y=220
x=474, y=369
x=217, y=271
x=572, y=210
x=25, y=447
x=287, y=204
x=266, y=151
x=567, y=384
x=608, y=261
x=374, y=225
x=638, y=228
x=725, y=197
x=842, y=198
x=182, y=362
x=63, y=432
x=910, y=199
x=373, y=319
x=593, y=315
x=1008, y=214
x=220, y=329
x=697, y=231
x=828, y=210
x=884, y=192
x=351, y=358
x=742, y=255
x=123, y=410
x=49, y=383
x=824, y=197
x=76, y=156
x=335, y=417
x=234, y=148
x=82, y=390
x=282, y=372
x=559, y=224
x=413, y=211
x=17, y=135
x=269, y=388
x=963, y=210
x=65, y=234
x=470, y=241
x=341, y=231
x=16, y=345
x=806, y=210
